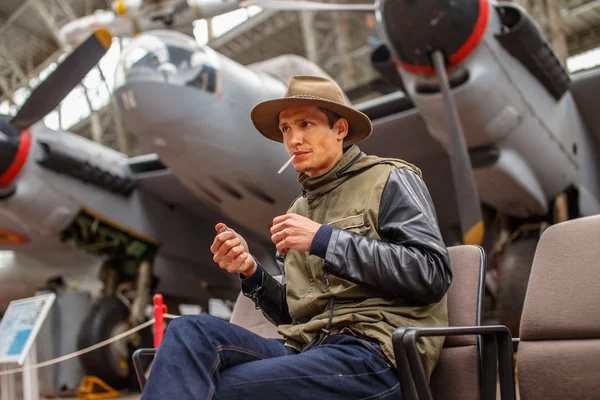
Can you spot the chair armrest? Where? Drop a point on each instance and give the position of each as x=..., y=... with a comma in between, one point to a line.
x=496, y=341
x=137, y=365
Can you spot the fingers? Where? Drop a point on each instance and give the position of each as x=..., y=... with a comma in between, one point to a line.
x=280, y=232
x=230, y=249
x=241, y=264
x=281, y=218
x=282, y=249
x=220, y=239
x=282, y=222
x=283, y=241
x=279, y=236
x=235, y=264
x=231, y=259
x=220, y=226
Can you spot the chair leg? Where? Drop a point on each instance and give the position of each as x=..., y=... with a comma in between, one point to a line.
x=407, y=388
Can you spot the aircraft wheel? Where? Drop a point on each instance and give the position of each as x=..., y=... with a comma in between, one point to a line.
x=514, y=268
x=107, y=318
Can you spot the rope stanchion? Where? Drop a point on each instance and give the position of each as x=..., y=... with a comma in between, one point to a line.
x=160, y=309
x=80, y=352
x=160, y=313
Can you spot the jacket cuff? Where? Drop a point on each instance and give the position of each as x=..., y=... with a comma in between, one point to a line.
x=249, y=284
x=320, y=242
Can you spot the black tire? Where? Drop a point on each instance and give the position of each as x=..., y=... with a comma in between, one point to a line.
x=106, y=316
x=514, y=269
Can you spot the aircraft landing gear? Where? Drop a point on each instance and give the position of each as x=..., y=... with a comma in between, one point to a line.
x=513, y=262
x=120, y=309
x=513, y=275
x=512, y=258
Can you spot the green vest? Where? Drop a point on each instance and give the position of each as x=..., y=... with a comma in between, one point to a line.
x=350, y=201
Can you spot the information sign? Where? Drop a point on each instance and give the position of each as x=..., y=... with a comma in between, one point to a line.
x=20, y=325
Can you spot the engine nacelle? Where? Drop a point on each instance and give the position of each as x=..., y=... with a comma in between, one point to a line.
x=528, y=151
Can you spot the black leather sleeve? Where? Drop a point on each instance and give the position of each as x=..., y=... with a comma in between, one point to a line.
x=270, y=296
x=411, y=262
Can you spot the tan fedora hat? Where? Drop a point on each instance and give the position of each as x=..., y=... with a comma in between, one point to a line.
x=310, y=91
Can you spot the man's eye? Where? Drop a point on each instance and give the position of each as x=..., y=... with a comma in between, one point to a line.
x=285, y=129
x=306, y=124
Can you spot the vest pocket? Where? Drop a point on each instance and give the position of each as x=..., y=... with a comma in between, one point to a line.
x=355, y=223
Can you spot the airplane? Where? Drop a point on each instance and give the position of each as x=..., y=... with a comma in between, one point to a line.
x=508, y=143
x=131, y=17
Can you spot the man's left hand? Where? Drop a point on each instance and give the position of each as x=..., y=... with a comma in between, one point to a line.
x=292, y=231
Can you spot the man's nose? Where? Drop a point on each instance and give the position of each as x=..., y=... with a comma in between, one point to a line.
x=295, y=137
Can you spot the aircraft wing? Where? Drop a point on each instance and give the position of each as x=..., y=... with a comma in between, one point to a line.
x=400, y=132
x=153, y=176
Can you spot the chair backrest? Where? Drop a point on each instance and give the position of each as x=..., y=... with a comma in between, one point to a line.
x=246, y=315
x=559, y=349
x=456, y=376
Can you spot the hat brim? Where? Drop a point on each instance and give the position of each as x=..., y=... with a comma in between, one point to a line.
x=265, y=117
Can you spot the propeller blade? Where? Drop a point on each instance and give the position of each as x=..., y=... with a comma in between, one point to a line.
x=469, y=207
x=306, y=5
x=48, y=94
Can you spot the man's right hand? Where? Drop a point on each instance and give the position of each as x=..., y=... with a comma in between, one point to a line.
x=231, y=252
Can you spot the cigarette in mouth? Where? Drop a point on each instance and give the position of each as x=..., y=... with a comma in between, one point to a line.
x=286, y=164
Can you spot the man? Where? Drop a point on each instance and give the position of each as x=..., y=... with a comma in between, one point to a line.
x=360, y=253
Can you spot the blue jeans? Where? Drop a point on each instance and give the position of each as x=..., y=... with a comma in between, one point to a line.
x=203, y=357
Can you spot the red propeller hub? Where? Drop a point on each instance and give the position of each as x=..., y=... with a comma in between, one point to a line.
x=415, y=29
x=14, y=149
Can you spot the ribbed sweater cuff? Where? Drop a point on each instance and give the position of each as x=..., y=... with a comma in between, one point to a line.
x=320, y=242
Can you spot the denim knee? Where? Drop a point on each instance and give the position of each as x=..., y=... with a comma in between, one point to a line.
x=194, y=324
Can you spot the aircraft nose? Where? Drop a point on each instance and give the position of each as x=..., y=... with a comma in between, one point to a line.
x=416, y=29
x=159, y=56
x=14, y=147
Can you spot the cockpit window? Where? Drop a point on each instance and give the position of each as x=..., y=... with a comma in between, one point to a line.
x=168, y=57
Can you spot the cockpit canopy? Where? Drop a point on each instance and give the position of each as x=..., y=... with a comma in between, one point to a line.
x=168, y=57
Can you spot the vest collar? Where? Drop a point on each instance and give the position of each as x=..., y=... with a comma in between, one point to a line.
x=334, y=177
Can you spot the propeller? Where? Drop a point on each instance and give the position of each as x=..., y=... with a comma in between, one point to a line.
x=469, y=207
x=69, y=73
x=306, y=5
x=15, y=139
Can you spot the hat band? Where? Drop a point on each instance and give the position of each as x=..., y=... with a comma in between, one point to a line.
x=307, y=96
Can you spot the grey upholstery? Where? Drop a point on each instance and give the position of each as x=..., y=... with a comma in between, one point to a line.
x=559, y=351
x=456, y=375
x=245, y=314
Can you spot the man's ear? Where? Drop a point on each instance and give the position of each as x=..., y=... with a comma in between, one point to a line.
x=341, y=129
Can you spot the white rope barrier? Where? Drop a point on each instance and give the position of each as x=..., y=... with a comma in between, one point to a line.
x=83, y=351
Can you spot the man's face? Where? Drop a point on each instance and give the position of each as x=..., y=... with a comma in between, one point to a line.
x=307, y=135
